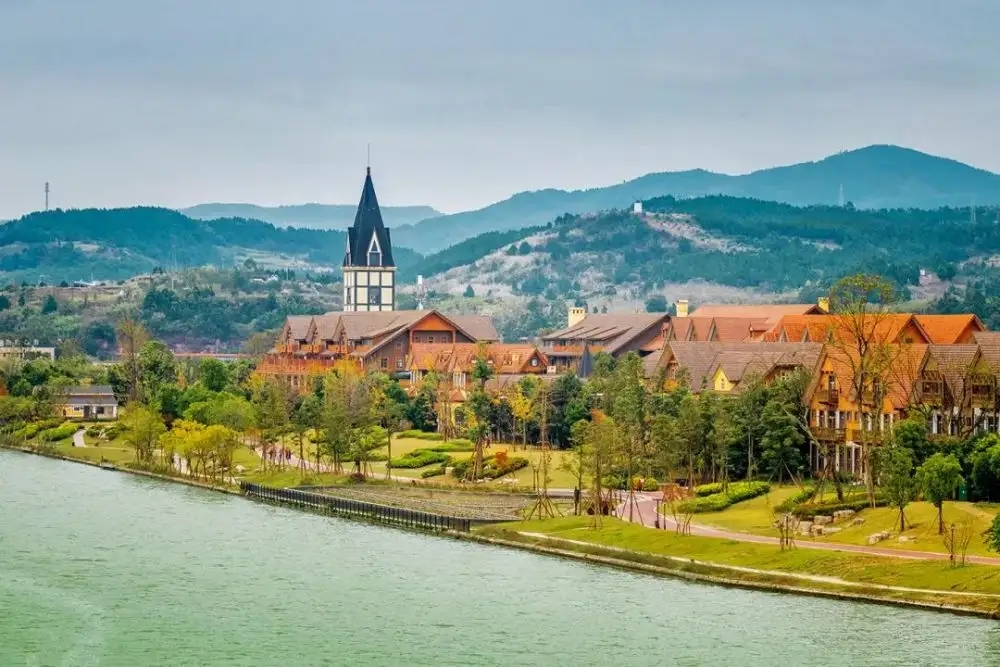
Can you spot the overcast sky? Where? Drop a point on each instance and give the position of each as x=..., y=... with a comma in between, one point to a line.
x=178, y=102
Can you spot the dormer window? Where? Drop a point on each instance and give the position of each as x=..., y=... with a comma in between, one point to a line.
x=374, y=252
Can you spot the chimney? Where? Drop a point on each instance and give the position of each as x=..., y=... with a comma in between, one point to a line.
x=824, y=303
x=576, y=316
x=681, y=307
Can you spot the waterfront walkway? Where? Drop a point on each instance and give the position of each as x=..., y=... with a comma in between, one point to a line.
x=645, y=511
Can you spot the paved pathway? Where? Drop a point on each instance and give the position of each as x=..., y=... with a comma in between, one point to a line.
x=645, y=512
x=78, y=440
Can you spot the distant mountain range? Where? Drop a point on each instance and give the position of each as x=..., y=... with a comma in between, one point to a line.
x=312, y=216
x=875, y=177
x=744, y=246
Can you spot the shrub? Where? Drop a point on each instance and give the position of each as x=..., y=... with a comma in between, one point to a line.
x=420, y=435
x=650, y=484
x=27, y=432
x=799, y=497
x=808, y=512
x=94, y=431
x=433, y=472
x=114, y=431
x=460, y=445
x=491, y=469
x=501, y=459
x=708, y=489
x=58, y=433
x=716, y=502
x=419, y=458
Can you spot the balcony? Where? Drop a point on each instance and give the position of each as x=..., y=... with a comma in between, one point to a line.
x=824, y=434
x=829, y=397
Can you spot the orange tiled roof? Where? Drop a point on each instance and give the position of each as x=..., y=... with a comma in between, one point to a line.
x=947, y=329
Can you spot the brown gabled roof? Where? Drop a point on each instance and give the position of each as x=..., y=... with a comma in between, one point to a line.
x=947, y=329
x=701, y=328
x=954, y=363
x=612, y=330
x=298, y=325
x=732, y=329
x=651, y=363
x=739, y=359
x=461, y=357
x=678, y=329
x=478, y=327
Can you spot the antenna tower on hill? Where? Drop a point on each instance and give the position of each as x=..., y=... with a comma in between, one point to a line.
x=46, y=195
x=972, y=214
x=421, y=293
x=840, y=196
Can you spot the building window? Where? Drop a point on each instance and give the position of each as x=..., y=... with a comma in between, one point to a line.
x=374, y=252
x=399, y=363
x=399, y=345
x=430, y=339
x=374, y=296
x=348, y=296
x=385, y=363
x=534, y=361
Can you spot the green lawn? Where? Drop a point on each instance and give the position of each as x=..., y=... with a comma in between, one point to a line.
x=934, y=575
x=754, y=516
x=114, y=454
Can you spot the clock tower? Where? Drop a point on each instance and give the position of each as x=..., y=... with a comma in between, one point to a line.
x=369, y=272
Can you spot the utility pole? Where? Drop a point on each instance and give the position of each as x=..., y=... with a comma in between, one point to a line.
x=840, y=196
x=46, y=195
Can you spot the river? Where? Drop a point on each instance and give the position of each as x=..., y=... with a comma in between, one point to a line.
x=104, y=568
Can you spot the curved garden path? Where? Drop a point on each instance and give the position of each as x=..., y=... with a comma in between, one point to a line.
x=646, y=510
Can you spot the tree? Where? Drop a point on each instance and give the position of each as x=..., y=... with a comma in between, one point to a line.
x=156, y=369
x=895, y=465
x=782, y=441
x=656, y=304
x=308, y=415
x=992, y=535
x=50, y=305
x=863, y=342
x=938, y=477
x=347, y=411
x=390, y=412
x=131, y=336
x=214, y=374
x=143, y=430
x=469, y=292
x=521, y=406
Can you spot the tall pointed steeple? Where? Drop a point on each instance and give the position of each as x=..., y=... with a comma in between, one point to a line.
x=369, y=271
x=368, y=242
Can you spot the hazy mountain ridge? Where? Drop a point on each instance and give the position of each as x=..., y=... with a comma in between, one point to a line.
x=874, y=177
x=118, y=243
x=312, y=216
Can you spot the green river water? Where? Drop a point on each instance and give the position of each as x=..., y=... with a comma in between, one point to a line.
x=104, y=568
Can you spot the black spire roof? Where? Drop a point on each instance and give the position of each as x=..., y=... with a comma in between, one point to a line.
x=368, y=223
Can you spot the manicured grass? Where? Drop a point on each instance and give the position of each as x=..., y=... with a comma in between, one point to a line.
x=931, y=574
x=117, y=455
x=749, y=516
x=290, y=477
x=922, y=527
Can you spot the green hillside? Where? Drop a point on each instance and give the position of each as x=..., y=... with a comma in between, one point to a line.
x=745, y=243
x=118, y=243
x=875, y=177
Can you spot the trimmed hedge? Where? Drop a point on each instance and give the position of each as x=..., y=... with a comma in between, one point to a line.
x=59, y=433
x=708, y=489
x=801, y=496
x=433, y=472
x=460, y=445
x=738, y=492
x=419, y=435
x=419, y=458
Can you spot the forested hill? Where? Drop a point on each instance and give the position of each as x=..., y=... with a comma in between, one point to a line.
x=875, y=177
x=739, y=242
x=119, y=243
x=311, y=216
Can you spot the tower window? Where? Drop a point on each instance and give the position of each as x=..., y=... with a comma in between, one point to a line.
x=348, y=295
x=374, y=296
x=374, y=252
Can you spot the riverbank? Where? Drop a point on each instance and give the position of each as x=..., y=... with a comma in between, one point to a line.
x=933, y=585
x=972, y=590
